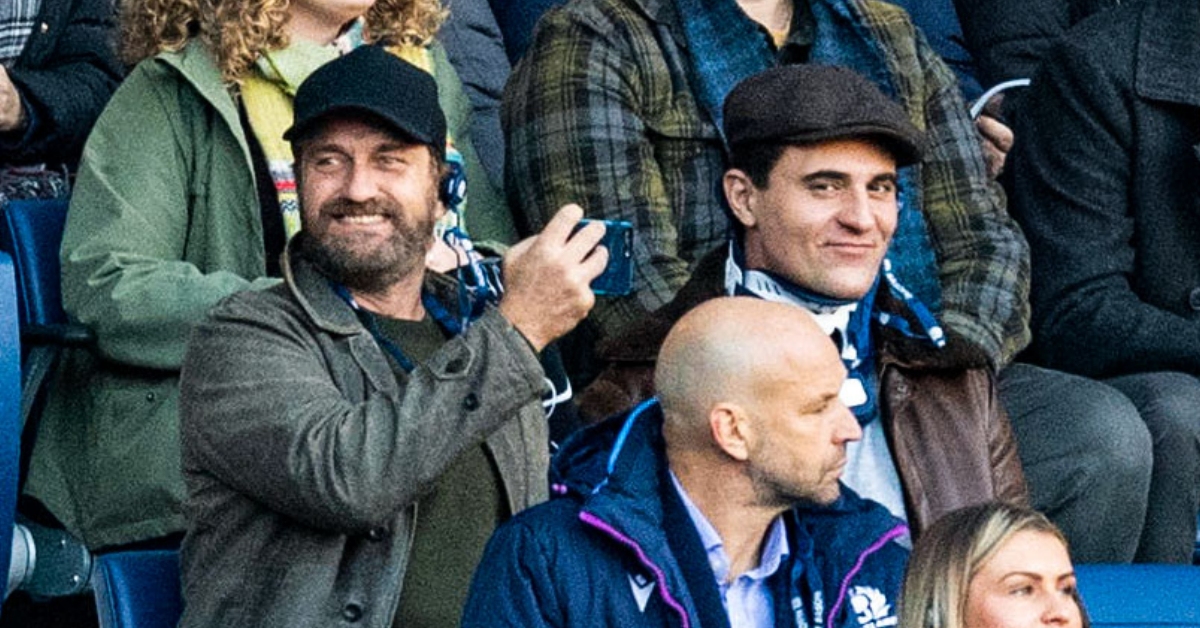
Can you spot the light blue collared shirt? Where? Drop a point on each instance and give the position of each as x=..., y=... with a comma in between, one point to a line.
x=747, y=600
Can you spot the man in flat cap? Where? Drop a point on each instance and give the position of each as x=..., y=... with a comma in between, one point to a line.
x=716, y=504
x=813, y=187
x=353, y=436
x=617, y=105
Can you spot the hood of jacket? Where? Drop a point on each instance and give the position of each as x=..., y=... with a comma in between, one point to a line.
x=622, y=459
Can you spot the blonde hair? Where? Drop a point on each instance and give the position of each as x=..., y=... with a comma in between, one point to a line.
x=238, y=31
x=952, y=551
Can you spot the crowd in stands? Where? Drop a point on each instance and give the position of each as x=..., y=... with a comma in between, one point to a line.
x=350, y=392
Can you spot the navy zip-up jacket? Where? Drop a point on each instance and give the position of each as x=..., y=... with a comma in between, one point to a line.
x=615, y=547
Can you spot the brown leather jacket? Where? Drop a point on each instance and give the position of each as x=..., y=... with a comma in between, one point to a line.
x=948, y=432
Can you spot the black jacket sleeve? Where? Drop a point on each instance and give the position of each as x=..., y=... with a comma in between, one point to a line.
x=1073, y=171
x=65, y=76
x=1009, y=38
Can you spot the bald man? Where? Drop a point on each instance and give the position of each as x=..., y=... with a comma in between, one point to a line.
x=716, y=504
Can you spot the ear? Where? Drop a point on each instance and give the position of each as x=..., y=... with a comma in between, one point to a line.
x=439, y=205
x=731, y=430
x=740, y=192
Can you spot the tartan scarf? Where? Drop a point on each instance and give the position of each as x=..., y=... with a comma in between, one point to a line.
x=726, y=46
x=17, y=18
x=847, y=322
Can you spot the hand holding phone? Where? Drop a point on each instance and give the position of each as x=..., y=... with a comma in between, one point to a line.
x=617, y=278
x=547, y=277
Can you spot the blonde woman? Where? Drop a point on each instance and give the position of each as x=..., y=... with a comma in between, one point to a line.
x=991, y=566
x=185, y=195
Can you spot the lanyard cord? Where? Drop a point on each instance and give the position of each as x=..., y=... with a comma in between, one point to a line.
x=369, y=320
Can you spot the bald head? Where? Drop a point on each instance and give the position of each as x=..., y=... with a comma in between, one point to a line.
x=733, y=350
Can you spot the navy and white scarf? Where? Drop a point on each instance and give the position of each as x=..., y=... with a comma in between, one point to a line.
x=17, y=18
x=725, y=47
x=847, y=322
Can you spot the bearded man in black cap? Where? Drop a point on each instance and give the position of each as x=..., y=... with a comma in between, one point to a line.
x=351, y=437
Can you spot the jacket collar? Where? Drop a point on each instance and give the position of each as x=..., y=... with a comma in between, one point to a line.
x=660, y=11
x=327, y=310
x=197, y=66
x=624, y=455
x=618, y=469
x=1168, y=54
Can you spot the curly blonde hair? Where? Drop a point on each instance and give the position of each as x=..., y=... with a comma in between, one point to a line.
x=238, y=31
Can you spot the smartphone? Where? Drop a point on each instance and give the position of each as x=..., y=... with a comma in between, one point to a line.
x=617, y=278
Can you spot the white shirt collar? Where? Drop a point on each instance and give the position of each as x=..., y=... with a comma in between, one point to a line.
x=775, y=548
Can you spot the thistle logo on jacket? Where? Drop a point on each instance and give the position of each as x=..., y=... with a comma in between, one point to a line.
x=871, y=608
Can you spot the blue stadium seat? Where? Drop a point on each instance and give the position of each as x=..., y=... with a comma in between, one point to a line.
x=49, y=562
x=31, y=232
x=10, y=410
x=1141, y=596
x=138, y=589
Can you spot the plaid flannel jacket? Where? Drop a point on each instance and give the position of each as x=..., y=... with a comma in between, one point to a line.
x=600, y=112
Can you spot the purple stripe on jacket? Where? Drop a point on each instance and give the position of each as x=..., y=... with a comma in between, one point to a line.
x=890, y=536
x=659, y=576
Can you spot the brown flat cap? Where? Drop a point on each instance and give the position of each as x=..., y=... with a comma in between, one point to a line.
x=813, y=103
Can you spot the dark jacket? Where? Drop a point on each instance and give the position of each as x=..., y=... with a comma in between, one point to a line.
x=938, y=20
x=1009, y=38
x=948, y=433
x=66, y=74
x=618, y=523
x=475, y=47
x=1106, y=182
x=305, y=454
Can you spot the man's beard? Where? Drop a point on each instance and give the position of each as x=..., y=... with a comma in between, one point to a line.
x=773, y=491
x=364, y=268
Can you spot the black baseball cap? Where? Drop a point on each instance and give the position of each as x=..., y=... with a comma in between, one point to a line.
x=372, y=80
x=809, y=103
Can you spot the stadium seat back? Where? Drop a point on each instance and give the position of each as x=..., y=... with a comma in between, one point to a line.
x=31, y=233
x=138, y=589
x=10, y=410
x=1141, y=596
